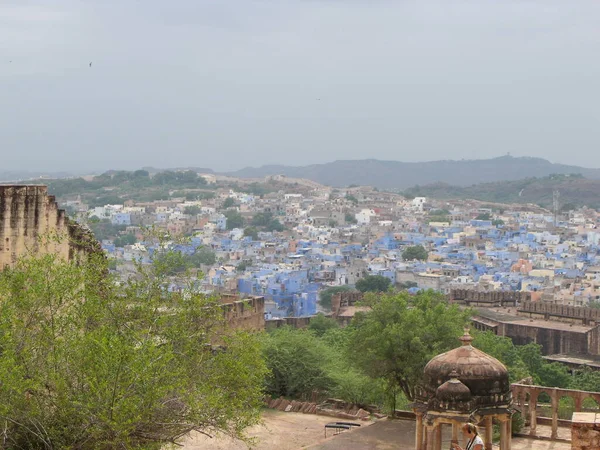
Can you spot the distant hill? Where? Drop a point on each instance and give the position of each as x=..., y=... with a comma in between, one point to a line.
x=7, y=176
x=402, y=175
x=574, y=191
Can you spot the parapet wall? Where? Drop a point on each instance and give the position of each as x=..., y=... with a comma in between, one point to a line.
x=32, y=223
x=247, y=314
x=343, y=299
x=587, y=316
x=478, y=298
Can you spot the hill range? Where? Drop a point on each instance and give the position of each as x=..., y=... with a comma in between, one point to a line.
x=398, y=175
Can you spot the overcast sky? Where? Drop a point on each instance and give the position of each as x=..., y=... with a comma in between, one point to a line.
x=232, y=83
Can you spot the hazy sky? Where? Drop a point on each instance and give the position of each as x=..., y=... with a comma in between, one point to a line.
x=231, y=83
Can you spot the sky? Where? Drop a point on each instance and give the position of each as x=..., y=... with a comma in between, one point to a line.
x=227, y=84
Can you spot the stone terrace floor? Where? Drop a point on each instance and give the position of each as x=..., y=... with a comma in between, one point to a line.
x=291, y=431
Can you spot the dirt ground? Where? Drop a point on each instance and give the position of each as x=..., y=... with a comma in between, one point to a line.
x=280, y=431
x=294, y=431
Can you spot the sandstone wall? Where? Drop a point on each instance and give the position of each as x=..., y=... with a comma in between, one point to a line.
x=247, y=314
x=32, y=223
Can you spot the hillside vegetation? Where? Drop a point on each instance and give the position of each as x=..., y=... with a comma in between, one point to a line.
x=574, y=190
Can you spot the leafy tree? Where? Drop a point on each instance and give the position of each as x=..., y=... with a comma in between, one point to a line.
x=320, y=324
x=262, y=219
x=141, y=174
x=274, y=225
x=586, y=379
x=104, y=229
x=408, y=285
x=252, y=232
x=192, y=210
x=523, y=361
x=352, y=198
x=543, y=372
x=126, y=239
x=228, y=203
x=297, y=361
x=497, y=222
x=202, y=255
x=503, y=349
x=349, y=218
x=483, y=216
x=373, y=283
x=241, y=267
x=402, y=333
x=234, y=219
x=417, y=252
x=326, y=294
x=133, y=366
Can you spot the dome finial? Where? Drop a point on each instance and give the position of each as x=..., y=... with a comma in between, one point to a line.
x=466, y=338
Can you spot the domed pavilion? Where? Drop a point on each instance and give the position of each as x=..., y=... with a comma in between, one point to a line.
x=460, y=386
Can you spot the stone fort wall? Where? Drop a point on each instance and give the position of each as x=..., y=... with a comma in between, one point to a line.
x=32, y=223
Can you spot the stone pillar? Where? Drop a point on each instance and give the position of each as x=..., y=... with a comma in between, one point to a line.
x=503, y=434
x=428, y=444
x=419, y=432
x=532, y=415
x=509, y=433
x=578, y=403
x=455, y=429
x=554, y=434
x=438, y=437
x=489, y=432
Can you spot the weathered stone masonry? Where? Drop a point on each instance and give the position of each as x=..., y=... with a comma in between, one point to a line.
x=32, y=223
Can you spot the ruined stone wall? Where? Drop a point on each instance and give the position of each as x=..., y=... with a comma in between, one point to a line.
x=473, y=297
x=574, y=314
x=585, y=431
x=247, y=314
x=344, y=299
x=553, y=341
x=32, y=223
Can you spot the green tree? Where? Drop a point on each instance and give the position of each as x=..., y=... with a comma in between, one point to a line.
x=234, y=219
x=415, y=252
x=326, y=294
x=192, y=210
x=262, y=219
x=586, y=379
x=483, y=216
x=349, y=218
x=352, y=198
x=274, y=225
x=126, y=239
x=402, y=333
x=503, y=349
x=228, y=203
x=373, y=283
x=202, y=255
x=321, y=324
x=252, y=232
x=133, y=366
x=297, y=361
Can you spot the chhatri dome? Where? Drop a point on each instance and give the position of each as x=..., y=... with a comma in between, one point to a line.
x=460, y=386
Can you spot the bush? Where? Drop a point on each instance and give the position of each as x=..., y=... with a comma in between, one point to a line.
x=89, y=364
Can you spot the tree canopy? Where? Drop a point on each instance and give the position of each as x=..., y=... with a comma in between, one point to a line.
x=402, y=333
x=417, y=252
x=234, y=219
x=87, y=363
x=373, y=283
